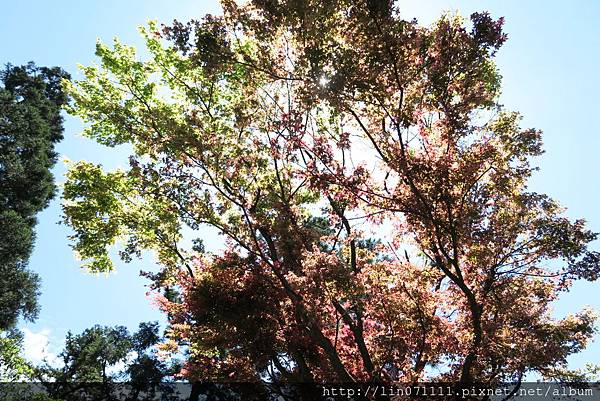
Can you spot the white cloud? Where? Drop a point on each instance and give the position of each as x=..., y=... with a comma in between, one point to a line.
x=36, y=347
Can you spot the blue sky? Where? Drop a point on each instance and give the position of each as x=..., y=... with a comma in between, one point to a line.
x=549, y=67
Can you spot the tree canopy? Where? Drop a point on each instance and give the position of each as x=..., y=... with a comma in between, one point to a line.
x=30, y=125
x=370, y=191
x=107, y=363
x=99, y=360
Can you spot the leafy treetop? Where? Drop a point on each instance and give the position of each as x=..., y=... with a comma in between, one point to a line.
x=370, y=190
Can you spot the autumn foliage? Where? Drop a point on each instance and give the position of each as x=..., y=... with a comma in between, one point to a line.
x=370, y=191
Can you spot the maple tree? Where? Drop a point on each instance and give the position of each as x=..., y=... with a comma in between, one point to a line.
x=370, y=190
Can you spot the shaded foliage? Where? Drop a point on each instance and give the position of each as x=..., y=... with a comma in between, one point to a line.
x=30, y=125
x=96, y=362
